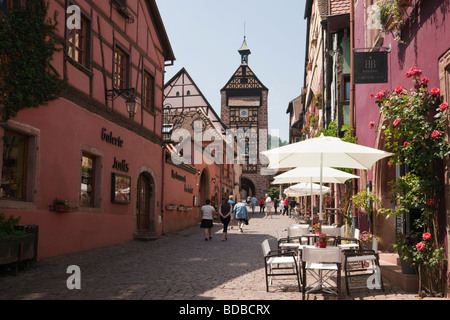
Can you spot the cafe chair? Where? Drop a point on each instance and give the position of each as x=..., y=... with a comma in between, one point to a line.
x=280, y=263
x=350, y=243
x=283, y=242
x=363, y=264
x=295, y=233
x=323, y=265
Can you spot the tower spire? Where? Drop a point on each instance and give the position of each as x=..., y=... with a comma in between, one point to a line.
x=244, y=51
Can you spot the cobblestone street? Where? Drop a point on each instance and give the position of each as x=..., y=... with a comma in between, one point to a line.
x=178, y=266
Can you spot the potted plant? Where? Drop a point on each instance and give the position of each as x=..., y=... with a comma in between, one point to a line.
x=61, y=205
x=18, y=243
x=323, y=240
x=364, y=201
x=366, y=239
x=316, y=228
x=390, y=14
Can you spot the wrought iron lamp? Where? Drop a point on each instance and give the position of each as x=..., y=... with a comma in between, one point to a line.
x=131, y=102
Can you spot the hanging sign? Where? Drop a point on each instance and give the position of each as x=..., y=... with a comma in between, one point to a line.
x=370, y=67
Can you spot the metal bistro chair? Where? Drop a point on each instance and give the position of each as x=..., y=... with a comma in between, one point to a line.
x=322, y=264
x=363, y=263
x=284, y=261
x=350, y=242
x=283, y=242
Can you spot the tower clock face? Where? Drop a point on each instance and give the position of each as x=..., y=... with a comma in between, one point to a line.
x=243, y=113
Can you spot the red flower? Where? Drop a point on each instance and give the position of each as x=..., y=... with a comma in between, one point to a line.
x=405, y=143
x=424, y=81
x=420, y=246
x=380, y=95
x=443, y=106
x=413, y=72
x=426, y=236
x=397, y=121
x=371, y=124
x=435, y=134
x=430, y=202
x=435, y=91
x=398, y=90
x=372, y=95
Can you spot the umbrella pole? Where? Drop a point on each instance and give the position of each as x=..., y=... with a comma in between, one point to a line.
x=320, y=202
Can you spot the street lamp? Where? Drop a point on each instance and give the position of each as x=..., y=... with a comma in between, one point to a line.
x=131, y=102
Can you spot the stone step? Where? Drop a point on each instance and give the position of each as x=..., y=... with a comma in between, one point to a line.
x=392, y=271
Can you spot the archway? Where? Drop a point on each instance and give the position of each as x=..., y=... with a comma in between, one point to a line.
x=247, y=188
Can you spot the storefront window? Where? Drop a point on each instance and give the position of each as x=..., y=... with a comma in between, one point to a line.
x=87, y=180
x=14, y=164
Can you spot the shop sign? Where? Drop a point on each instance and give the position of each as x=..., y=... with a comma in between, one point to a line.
x=370, y=67
x=122, y=165
x=175, y=175
x=108, y=137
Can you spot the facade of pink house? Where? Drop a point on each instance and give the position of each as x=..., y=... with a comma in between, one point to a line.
x=426, y=47
x=84, y=147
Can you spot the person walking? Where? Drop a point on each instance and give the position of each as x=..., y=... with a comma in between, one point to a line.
x=208, y=213
x=253, y=201
x=269, y=204
x=281, y=206
x=225, y=215
x=286, y=206
x=292, y=204
x=240, y=209
x=261, y=205
x=232, y=203
x=275, y=204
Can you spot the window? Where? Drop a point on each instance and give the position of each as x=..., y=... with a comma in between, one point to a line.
x=120, y=69
x=10, y=4
x=14, y=173
x=78, y=42
x=88, y=163
x=147, y=93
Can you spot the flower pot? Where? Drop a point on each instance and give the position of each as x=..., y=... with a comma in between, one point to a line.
x=322, y=244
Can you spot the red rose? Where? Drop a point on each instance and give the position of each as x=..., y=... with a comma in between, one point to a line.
x=380, y=95
x=435, y=91
x=426, y=236
x=424, y=80
x=420, y=246
x=443, y=106
x=372, y=95
x=405, y=143
x=397, y=121
x=435, y=134
x=398, y=90
x=371, y=124
x=430, y=202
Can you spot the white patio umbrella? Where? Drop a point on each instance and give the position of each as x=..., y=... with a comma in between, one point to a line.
x=322, y=152
x=312, y=174
x=305, y=189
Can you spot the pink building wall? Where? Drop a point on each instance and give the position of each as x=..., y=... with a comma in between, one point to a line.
x=66, y=127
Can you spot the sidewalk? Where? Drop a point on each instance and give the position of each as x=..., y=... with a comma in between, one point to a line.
x=179, y=266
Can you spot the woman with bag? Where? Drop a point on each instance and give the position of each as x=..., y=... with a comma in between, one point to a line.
x=225, y=215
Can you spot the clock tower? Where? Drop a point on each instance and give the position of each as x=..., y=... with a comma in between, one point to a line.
x=244, y=111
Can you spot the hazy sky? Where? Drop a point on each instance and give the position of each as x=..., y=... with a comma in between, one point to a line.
x=206, y=34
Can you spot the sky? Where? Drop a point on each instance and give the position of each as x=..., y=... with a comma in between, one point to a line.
x=206, y=35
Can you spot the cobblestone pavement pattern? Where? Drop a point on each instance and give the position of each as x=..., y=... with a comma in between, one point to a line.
x=180, y=266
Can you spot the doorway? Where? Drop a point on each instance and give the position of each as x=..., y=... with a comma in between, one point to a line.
x=145, y=204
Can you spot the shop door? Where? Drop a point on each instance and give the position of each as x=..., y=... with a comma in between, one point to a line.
x=145, y=203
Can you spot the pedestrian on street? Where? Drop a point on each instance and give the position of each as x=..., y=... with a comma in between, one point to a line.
x=208, y=213
x=253, y=202
x=292, y=205
x=240, y=209
x=275, y=204
x=281, y=206
x=225, y=215
x=286, y=206
x=269, y=204
x=232, y=203
x=261, y=205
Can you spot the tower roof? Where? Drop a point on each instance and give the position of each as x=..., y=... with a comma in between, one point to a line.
x=244, y=48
